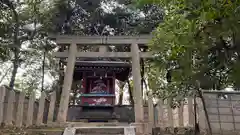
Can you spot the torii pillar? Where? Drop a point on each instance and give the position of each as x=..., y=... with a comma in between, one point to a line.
x=67, y=84
x=137, y=90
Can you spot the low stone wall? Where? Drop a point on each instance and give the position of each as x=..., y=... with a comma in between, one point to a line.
x=188, y=131
x=173, y=131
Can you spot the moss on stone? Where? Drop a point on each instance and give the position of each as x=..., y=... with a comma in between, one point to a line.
x=31, y=131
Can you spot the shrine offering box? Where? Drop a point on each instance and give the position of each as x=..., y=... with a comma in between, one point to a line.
x=97, y=100
x=99, y=92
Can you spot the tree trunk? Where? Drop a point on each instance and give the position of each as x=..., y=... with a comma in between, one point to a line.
x=130, y=93
x=16, y=42
x=59, y=90
x=121, y=89
x=142, y=73
x=43, y=66
x=16, y=63
x=120, y=98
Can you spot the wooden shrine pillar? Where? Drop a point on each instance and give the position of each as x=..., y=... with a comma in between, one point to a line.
x=67, y=84
x=137, y=90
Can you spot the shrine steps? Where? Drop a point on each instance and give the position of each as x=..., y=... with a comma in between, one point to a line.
x=100, y=131
x=97, y=124
x=104, y=130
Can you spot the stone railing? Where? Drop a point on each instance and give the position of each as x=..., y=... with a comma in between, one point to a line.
x=182, y=116
x=17, y=109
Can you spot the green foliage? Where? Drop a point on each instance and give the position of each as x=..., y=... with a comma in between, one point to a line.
x=93, y=17
x=96, y=17
x=26, y=49
x=198, y=41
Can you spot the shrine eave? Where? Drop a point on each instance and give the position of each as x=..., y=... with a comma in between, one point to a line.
x=101, y=40
x=100, y=68
x=102, y=63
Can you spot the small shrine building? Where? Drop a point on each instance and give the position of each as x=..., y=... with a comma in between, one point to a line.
x=92, y=75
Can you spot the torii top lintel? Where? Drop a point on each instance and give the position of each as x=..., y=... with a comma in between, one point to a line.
x=101, y=40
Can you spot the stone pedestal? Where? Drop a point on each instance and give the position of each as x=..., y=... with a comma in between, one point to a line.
x=140, y=128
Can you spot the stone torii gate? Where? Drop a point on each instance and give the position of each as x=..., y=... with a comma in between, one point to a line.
x=102, y=41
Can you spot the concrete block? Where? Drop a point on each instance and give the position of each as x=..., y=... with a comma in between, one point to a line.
x=224, y=103
x=129, y=131
x=213, y=118
x=69, y=131
x=211, y=103
x=237, y=126
x=212, y=110
x=226, y=118
x=237, y=118
x=235, y=97
x=227, y=126
x=227, y=111
x=215, y=125
x=235, y=111
x=210, y=96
